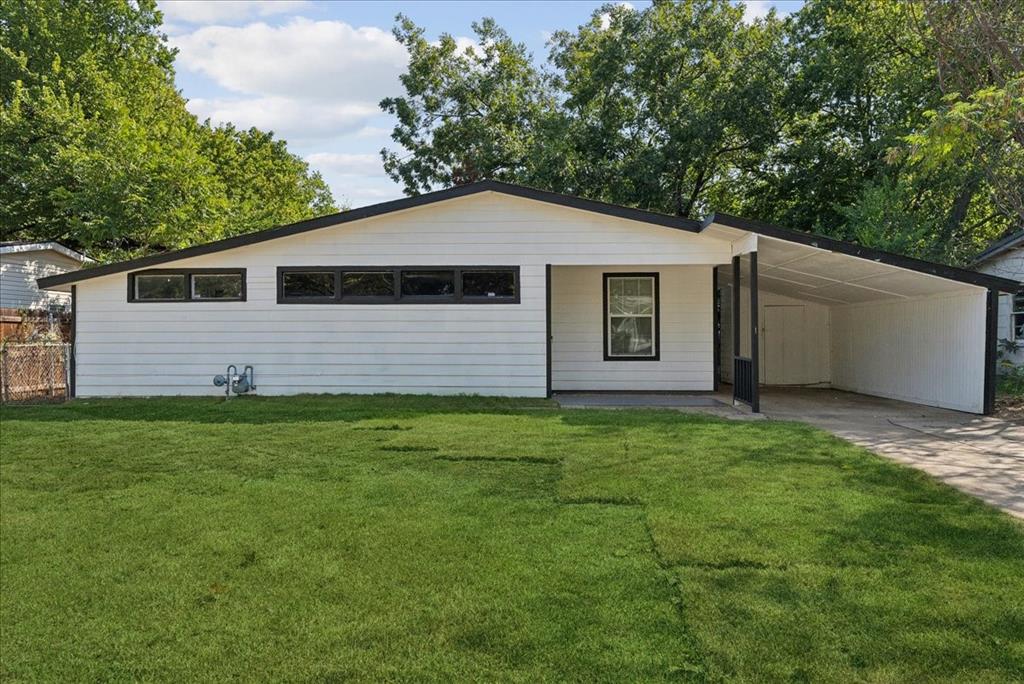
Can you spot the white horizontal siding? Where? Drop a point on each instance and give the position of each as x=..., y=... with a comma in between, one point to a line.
x=928, y=351
x=687, y=341
x=176, y=348
x=18, y=274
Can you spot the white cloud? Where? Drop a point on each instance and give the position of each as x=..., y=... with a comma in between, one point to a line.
x=756, y=9
x=304, y=80
x=303, y=58
x=343, y=164
x=373, y=132
x=316, y=84
x=606, y=18
x=214, y=11
x=291, y=118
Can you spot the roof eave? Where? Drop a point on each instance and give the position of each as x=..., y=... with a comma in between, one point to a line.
x=371, y=211
x=810, y=239
x=51, y=246
x=1000, y=247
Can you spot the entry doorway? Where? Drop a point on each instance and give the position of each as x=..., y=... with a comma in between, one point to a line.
x=784, y=358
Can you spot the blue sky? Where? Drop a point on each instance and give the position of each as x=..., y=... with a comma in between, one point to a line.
x=313, y=72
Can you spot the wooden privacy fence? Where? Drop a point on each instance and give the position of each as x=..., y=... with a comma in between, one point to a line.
x=34, y=371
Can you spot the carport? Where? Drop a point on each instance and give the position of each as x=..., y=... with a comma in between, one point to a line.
x=795, y=309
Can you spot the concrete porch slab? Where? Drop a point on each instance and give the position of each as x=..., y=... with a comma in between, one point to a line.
x=707, y=403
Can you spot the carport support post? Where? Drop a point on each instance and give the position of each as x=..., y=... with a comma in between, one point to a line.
x=735, y=309
x=991, y=333
x=755, y=382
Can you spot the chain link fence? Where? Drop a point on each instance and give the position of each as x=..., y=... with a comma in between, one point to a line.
x=35, y=371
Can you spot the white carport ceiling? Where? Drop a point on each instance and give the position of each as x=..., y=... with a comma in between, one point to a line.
x=815, y=274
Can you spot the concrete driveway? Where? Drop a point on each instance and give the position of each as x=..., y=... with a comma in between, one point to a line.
x=980, y=455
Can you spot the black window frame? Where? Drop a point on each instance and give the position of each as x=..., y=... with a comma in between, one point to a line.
x=282, y=270
x=608, y=356
x=340, y=298
x=187, y=273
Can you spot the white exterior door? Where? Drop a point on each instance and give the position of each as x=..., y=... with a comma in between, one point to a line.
x=784, y=360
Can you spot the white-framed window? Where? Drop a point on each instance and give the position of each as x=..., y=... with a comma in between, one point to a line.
x=1017, y=316
x=631, y=326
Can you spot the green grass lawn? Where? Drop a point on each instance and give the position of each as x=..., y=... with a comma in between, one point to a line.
x=419, y=539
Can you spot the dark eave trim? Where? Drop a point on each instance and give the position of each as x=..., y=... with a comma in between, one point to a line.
x=1001, y=245
x=851, y=249
x=371, y=211
x=629, y=213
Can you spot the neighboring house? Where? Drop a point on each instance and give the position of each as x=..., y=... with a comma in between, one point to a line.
x=1005, y=258
x=21, y=263
x=499, y=289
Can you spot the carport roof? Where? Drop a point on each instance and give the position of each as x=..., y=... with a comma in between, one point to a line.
x=675, y=222
x=818, y=247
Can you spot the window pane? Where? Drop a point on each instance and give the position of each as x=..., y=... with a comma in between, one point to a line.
x=167, y=286
x=308, y=284
x=631, y=336
x=491, y=284
x=217, y=286
x=631, y=296
x=368, y=284
x=428, y=283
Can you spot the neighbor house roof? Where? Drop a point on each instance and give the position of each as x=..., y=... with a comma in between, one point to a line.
x=17, y=246
x=1000, y=246
x=675, y=222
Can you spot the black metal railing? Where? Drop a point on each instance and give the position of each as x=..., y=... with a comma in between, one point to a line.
x=743, y=388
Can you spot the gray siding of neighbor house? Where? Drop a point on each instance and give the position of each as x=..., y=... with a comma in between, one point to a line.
x=18, y=273
x=1009, y=264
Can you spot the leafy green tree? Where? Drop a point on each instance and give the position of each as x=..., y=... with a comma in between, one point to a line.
x=665, y=103
x=860, y=79
x=98, y=150
x=626, y=119
x=469, y=112
x=263, y=182
x=956, y=178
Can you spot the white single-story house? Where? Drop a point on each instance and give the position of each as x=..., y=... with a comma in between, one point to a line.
x=498, y=289
x=1005, y=258
x=22, y=263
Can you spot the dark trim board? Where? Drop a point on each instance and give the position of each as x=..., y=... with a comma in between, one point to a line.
x=736, y=338
x=676, y=222
x=716, y=330
x=755, y=337
x=629, y=213
x=991, y=335
x=73, y=370
x=657, y=315
x=1001, y=245
x=547, y=315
